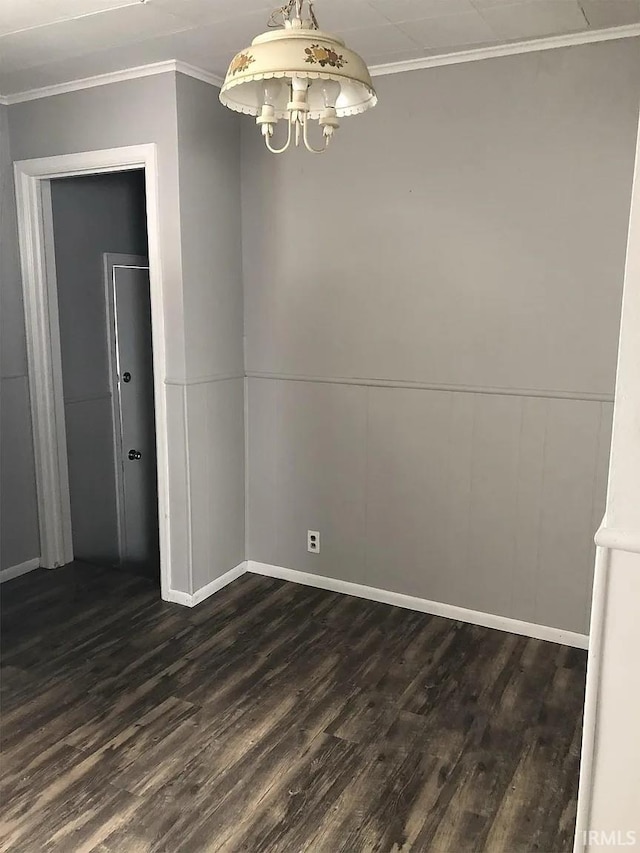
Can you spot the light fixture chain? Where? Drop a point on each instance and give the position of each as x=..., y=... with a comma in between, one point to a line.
x=292, y=9
x=280, y=15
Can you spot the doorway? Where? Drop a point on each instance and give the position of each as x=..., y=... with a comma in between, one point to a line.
x=33, y=180
x=104, y=310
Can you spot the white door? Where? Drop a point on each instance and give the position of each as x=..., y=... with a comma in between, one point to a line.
x=129, y=318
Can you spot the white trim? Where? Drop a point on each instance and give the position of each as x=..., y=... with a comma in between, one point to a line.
x=56, y=353
x=90, y=82
x=245, y=413
x=423, y=605
x=12, y=376
x=187, y=500
x=89, y=162
x=217, y=584
x=396, y=599
x=49, y=438
x=608, y=539
x=454, y=58
x=203, y=380
x=177, y=597
x=511, y=49
x=209, y=589
x=87, y=398
x=21, y=569
x=198, y=73
x=592, y=688
x=33, y=202
x=589, y=396
x=114, y=77
x=618, y=540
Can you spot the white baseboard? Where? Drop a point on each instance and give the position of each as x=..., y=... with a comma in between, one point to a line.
x=177, y=597
x=21, y=569
x=397, y=599
x=435, y=608
x=216, y=585
x=210, y=589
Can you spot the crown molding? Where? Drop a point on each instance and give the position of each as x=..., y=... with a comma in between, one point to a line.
x=114, y=77
x=511, y=49
x=474, y=55
x=199, y=73
x=89, y=82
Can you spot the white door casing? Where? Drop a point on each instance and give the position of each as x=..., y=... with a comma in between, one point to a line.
x=35, y=227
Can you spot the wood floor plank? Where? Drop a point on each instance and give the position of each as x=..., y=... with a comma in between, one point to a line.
x=276, y=718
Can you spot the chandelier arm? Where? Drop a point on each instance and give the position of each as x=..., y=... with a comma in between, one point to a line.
x=308, y=145
x=312, y=15
x=284, y=147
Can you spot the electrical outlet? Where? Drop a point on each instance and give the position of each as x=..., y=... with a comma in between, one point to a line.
x=313, y=541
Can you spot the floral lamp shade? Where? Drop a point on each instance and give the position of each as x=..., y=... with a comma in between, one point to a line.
x=298, y=73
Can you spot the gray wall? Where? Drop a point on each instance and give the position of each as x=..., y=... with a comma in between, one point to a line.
x=128, y=113
x=465, y=237
x=92, y=215
x=472, y=232
x=212, y=391
x=201, y=271
x=19, y=538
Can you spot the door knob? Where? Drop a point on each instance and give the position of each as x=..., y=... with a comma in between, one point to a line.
x=134, y=454
x=126, y=376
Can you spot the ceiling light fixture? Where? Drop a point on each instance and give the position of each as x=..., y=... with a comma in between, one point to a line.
x=297, y=73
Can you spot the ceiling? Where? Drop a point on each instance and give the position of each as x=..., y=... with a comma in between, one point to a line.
x=45, y=42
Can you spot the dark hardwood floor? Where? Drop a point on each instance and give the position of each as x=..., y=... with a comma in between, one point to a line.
x=276, y=717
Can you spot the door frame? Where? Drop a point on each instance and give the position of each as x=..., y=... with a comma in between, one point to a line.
x=617, y=533
x=39, y=289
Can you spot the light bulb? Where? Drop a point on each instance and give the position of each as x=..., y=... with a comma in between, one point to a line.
x=299, y=84
x=270, y=91
x=330, y=92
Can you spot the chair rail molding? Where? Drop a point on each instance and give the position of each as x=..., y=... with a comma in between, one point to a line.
x=615, y=539
x=372, y=382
